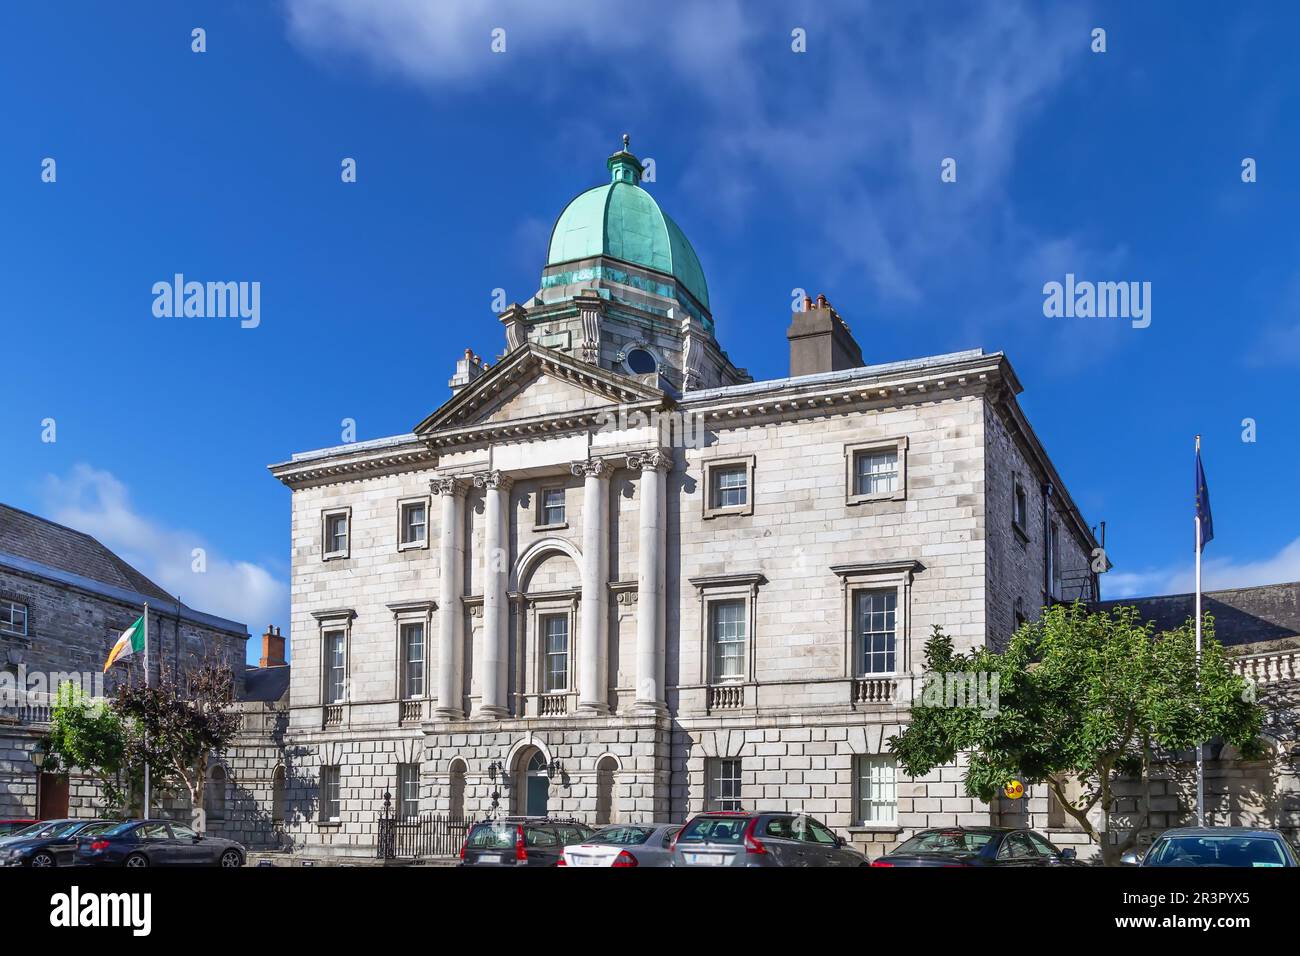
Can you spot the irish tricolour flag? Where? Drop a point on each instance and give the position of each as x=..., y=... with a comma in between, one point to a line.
x=131, y=642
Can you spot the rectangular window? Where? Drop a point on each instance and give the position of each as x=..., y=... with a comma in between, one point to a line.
x=730, y=486
x=724, y=784
x=330, y=806
x=555, y=650
x=875, y=613
x=414, y=523
x=336, y=534
x=551, y=509
x=876, y=778
x=408, y=790
x=13, y=618
x=335, y=666
x=413, y=659
x=876, y=472
x=727, y=635
x=1020, y=509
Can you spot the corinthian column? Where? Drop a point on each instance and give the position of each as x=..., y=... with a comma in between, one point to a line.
x=651, y=606
x=451, y=570
x=594, y=660
x=496, y=612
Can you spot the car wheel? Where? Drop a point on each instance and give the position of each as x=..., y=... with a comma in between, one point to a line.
x=136, y=860
x=231, y=858
x=42, y=859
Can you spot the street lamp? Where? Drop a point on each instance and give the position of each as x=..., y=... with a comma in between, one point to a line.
x=40, y=756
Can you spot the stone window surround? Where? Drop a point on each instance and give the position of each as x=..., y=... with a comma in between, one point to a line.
x=878, y=576
x=329, y=622
x=718, y=588
x=537, y=606
x=863, y=826
x=325, y=515
x=713, y=464
x=1019, y=489
x=539, y=521
x=712, y=800
x=851, y=452
x=402, y=504
x=412, y=612
x=26, y=633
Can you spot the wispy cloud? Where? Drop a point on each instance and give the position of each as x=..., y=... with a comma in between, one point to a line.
x=95, y=502
x=1216, y=574
x=852, y=132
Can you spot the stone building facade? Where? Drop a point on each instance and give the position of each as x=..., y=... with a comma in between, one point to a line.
x=612, y=577
x=64, y=599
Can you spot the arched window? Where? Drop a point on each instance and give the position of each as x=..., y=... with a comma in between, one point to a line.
x=456, y=790
x=606, y=779
x=277, y=796
x=216, y=794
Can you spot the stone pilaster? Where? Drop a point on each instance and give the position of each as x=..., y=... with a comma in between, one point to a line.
x=593, y=682
x=451, y=584
x=496, y=612
x=651, y=639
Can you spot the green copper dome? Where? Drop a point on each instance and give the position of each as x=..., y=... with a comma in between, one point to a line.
x=621, y=220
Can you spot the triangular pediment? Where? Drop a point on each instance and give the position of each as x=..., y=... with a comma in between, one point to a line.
x=534, y=384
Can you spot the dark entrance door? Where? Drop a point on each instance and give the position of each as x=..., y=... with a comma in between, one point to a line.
x=537, y=787
x=53, y=801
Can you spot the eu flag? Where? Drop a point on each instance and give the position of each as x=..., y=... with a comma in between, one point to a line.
x=1203, y=503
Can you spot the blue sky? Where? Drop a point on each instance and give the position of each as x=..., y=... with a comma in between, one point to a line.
x=817, y=170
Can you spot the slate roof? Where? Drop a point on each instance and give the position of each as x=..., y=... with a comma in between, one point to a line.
x=1241, y=615
x=266, y=684
x=57, y=546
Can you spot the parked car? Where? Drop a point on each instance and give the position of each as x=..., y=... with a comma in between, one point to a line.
x=8, y=827
x=624, y=845
x=1216, y=846
x=740, y=838
x=138, y=843
x=977, y=846
x=52, y=844
x=521, y=841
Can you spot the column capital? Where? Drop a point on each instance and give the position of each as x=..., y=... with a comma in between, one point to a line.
x=494, y=479
x=654, y=460
x=592, y=468
x=450, y=486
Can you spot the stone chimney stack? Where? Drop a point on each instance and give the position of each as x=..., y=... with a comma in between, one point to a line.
x=820, y=341
x=467, y=369
x=272, y=648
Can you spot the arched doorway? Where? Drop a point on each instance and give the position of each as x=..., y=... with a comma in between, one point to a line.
x=533, y=784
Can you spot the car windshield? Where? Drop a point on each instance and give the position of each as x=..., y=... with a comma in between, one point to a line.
x=115, y=829
x=494, y=836
x=714, y=830
x=30, y=830
x=946, y=841
x=1217, y=851
x=621, y=835
x=48, y=829
x=94, y=829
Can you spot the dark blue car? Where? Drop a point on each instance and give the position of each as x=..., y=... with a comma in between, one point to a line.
x=49, y=844
x=140, y=843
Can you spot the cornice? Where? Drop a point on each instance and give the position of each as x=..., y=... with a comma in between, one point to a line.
x=347, y=465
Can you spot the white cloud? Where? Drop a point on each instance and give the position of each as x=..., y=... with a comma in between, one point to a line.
x=856, y=148
x=97, y=503
x=1216, y=574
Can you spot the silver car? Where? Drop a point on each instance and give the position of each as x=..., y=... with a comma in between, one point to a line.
x=625, y=845
x=737, y=838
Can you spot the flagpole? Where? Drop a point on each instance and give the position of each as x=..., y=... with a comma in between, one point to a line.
x=1200, y=745
x=147, y=794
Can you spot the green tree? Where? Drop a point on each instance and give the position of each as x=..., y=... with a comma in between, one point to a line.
x=88, y=736
x=181, y=724
x=1091, y=696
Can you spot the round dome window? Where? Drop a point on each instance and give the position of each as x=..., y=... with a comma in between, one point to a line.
x=641, y=362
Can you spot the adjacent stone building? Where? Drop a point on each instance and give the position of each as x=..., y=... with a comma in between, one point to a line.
x=64, y=599
x=613, y=577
